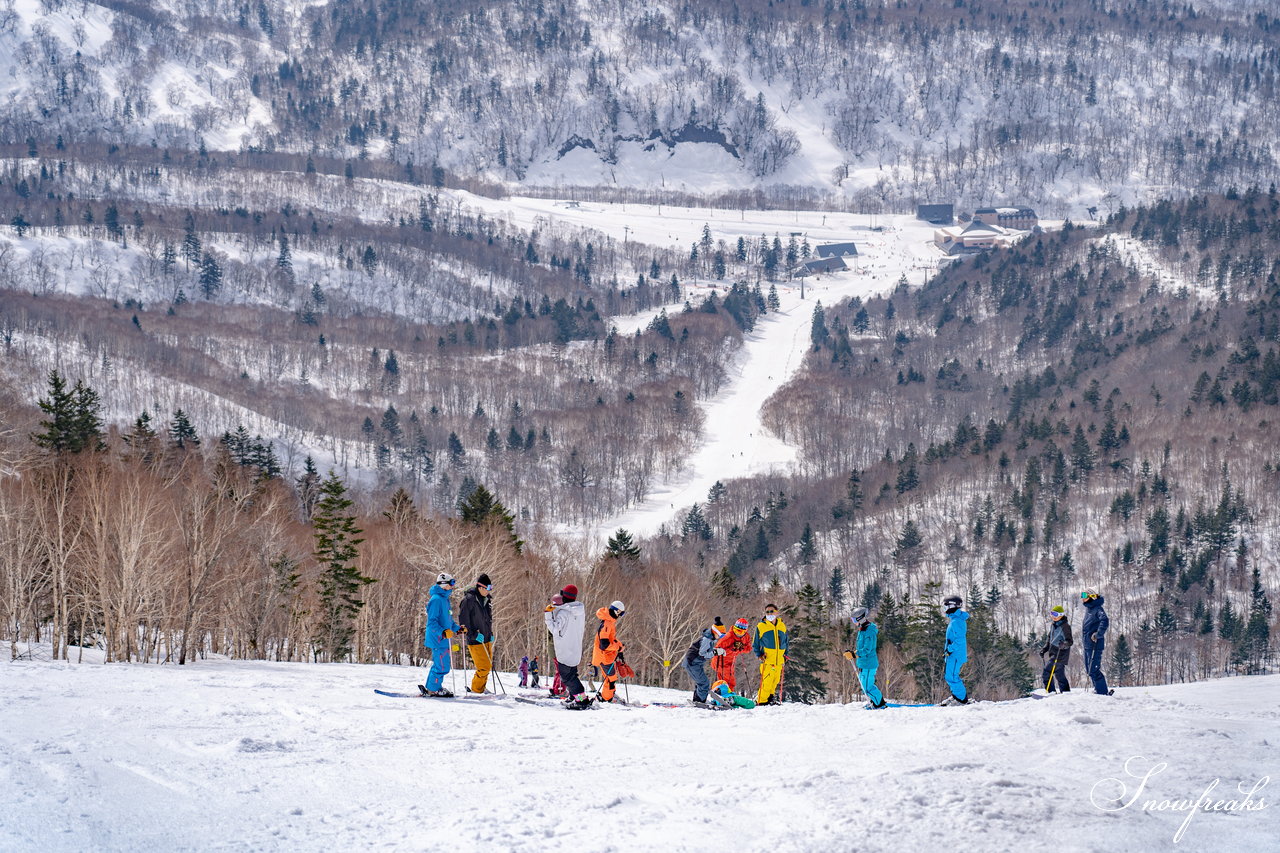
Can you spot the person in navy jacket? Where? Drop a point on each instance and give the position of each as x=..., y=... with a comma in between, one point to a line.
x=1093, y=632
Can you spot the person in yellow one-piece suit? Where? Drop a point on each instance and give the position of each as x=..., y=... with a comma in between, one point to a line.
x=770, y=646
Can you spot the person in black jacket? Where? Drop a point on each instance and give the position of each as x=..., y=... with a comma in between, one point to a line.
x=476, y=618
x=1093, y=633
x=1056, y=651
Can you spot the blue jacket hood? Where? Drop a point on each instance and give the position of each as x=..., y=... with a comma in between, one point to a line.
x=959, y=614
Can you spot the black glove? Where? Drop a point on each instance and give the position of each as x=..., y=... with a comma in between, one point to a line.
x=604, y=644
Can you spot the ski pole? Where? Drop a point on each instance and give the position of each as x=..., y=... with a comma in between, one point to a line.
x=1049, y=681
x=493, y=663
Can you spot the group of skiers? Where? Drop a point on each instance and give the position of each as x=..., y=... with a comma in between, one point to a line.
x=719, y=646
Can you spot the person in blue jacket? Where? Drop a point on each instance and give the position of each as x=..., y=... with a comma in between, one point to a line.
x=1094, y=634
x=439, y=635
x=957, y=650
x=868, y=660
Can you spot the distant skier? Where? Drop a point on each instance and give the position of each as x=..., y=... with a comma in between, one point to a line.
x=533, y=672
x=567, y=621
x=735, y=641
x=439, y=635
x=1056, y=651
x=476, y=616
x=524, y=671
x=722, y=696
x=702, y=650
x=868, y=657
x=957, y=650
x=608, y=648
x=770, y=647
x=1093, y=632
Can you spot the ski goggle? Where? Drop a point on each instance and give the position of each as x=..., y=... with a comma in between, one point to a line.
x=1088, y=594
x=1056, y=614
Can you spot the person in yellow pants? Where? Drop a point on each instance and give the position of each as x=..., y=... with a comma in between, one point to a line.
x=476, y=619
x=770, y=647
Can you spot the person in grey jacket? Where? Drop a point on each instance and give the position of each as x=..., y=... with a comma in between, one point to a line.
x=567, y=621
x=1056, y=650
x=695, y=660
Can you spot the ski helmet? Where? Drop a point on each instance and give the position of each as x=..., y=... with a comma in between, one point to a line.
x=446, y=579
x=1057, y=612
x=721, y=687
x=952, y=603
x=860, y=616
x=618, y=608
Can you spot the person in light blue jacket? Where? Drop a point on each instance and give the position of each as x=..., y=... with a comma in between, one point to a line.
x=439, y=635
x=868, y=658
x=957, y=650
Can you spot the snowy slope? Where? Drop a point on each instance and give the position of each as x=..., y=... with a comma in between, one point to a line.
x=260, y=756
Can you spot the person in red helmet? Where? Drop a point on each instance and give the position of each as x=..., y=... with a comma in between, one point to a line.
x=566, y=620
x=735, y=641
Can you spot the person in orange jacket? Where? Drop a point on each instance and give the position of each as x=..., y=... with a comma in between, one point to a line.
x=735, y=641
x=608, y=650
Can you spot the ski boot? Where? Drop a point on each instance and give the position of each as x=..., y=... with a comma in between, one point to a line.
x=442, y=693
x=871, y=706
x=954, y=700
x=578, y=703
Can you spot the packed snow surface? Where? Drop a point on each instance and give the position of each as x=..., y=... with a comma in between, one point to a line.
x=272, y=756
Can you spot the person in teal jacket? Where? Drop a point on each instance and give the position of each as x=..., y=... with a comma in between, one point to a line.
x=868, y=659
x=439, y=635
x=957, y=650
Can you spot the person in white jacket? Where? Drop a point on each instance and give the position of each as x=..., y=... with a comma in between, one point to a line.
x=567, y=621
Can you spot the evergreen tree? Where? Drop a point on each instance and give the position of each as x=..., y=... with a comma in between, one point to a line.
x=909, y=552
x=1255, y=643
x=808, y=548
x=1122, y=662
x=695, y=525
x=835, y=589
x=480, y=507
x=892, y=620
x=308, y=485
x=74, y=423
x=400, y=510
x=337, y=548
x=807, y=648
x=182, y=433
x=622, y=546
x=723, y=584
x=210, y=276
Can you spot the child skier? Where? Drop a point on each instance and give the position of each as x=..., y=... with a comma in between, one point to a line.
x=475, y=613
x=1055, y=652
x=567, y=622
x=1094, y=636
x=770, y=646
x=608, y=649
x=533, y=672
x=524, y=671
x=695, y=660
x=735, y=641
x=868, y=657
x=439, y=635
x=722, y=696
x=957, y=650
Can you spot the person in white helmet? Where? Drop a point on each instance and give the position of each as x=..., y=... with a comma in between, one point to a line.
x=608, y=649
x=439, y=635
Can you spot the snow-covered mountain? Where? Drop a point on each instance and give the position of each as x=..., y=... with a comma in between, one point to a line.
x=870, y=102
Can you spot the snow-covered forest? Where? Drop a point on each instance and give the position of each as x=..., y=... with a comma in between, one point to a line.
x=875, y=103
